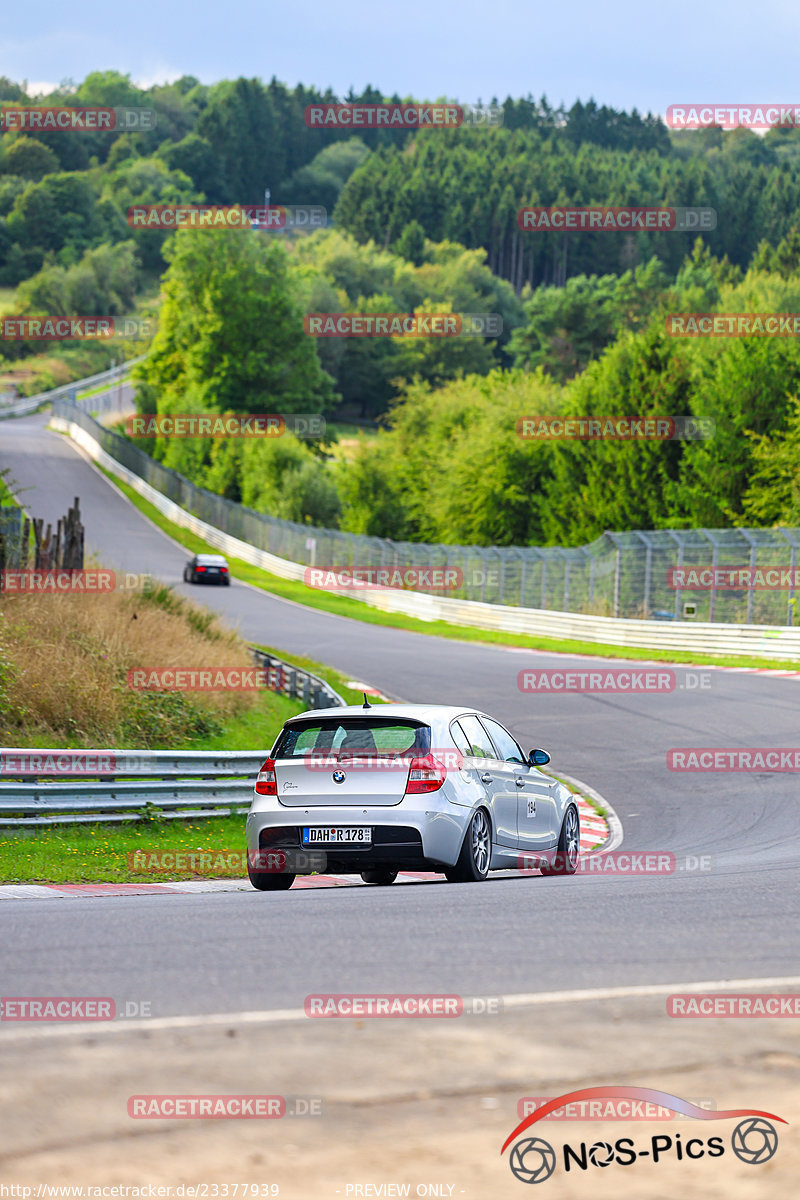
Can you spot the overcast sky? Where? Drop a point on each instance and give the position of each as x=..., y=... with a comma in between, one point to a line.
x=624, y=54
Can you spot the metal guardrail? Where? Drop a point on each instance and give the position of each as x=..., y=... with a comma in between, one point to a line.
x=68, y=391
x=40, y=787
x=296, y=682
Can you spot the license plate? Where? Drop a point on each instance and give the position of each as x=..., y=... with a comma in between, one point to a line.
x=213, y=570
x=334, y=835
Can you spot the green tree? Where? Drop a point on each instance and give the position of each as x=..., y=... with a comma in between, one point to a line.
x=109, y=89
x=321, y=180
x=239, y=123
x=29, y=159
x=104, y=282
x=773, y=489
x=411, y=244
x=194, y=157
x=283, y=477
x=230, y=337
x=566, y=327
x=55, y=214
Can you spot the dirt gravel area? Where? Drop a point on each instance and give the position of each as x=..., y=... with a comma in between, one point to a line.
x=409, y=1107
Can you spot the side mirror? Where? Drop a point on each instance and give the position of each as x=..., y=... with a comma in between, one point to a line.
x=538, y=758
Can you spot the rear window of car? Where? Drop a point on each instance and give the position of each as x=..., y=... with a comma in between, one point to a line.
x=350, y=735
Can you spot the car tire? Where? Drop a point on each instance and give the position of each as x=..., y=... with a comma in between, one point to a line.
x=270, y=881
x=379, y=876
x=567, y=853
x=185, y=574
x=226, y=583
x=476, y=851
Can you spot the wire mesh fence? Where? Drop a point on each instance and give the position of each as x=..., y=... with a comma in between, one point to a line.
x=728, y=575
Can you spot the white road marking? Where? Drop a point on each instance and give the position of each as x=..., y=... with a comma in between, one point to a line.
x=283, y=1015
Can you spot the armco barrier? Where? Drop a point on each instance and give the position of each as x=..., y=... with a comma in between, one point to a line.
x=763, y=641
x=175, y=782
x=296, y=682
x=67, y=391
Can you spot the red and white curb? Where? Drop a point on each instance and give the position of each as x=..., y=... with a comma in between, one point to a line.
x=367, y=689
x=595, y=831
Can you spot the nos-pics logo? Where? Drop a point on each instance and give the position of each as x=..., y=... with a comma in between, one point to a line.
x=533, y=1160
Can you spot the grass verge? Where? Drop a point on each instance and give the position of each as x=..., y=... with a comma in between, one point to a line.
x=65, y=682
x=7, y=493
x=104, y=853
x=102, y=387
x=356, y=610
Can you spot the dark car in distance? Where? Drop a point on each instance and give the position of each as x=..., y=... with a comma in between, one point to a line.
x=207, y=568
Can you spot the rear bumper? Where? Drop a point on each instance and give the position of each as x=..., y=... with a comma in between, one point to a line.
x=411, y=838
x=392, y=845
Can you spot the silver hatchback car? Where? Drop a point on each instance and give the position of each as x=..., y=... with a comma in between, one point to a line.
x=375, y=790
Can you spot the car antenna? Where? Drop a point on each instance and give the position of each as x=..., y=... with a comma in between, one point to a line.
x=366, y=703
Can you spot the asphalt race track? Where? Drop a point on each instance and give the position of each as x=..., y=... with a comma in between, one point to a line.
x=734, y=920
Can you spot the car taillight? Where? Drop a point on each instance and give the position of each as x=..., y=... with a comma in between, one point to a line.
x=266, y=781
x=224, y=570
x=199, y=568
x=425, y=775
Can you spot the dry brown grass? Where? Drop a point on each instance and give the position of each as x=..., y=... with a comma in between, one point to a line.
x=64, y=661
